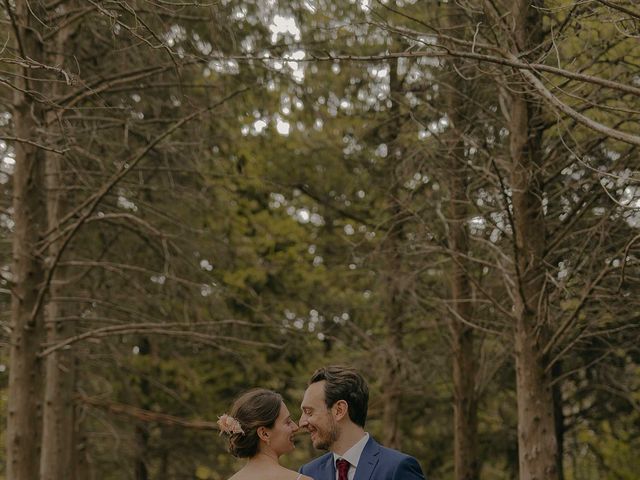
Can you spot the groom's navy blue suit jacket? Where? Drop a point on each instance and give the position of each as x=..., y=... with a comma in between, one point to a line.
x=376, y=463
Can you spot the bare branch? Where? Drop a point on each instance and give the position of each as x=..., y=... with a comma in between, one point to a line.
x=620, y=8
x=563, y=107
x=147, y=415
x=35, y=144
x=624, y=259
x=154, y=328
x=443, y=51
x=33, y=65
x=570, y=320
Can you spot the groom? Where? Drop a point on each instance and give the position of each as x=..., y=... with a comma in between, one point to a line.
x=334, y=410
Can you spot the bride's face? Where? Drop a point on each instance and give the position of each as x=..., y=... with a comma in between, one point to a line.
x=281, y=435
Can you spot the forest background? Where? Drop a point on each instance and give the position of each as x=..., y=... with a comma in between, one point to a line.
x=202, y=197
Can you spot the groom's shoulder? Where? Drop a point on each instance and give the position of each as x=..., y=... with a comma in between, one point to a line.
x=401, y=463
x=394, y=457
x=315, y=463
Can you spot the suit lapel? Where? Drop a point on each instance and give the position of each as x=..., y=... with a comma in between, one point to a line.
x=368, y=460
x=328, y=469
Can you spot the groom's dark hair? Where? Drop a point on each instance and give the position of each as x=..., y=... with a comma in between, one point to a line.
x=344, y=383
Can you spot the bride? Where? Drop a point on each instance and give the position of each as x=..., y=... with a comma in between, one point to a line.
x=260, y=429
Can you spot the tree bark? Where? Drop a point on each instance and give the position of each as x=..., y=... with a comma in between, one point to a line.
x=25, y=379
x=58, y=430
x=28, y=269
x=559, y=416
x=392, y=394
x=394, y=283
x=59, y=425
x=465, y=402
x=141, y=432
x=82, y=468
x=141, y=472
x=537, y=442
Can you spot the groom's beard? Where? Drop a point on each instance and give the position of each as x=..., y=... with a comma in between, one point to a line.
x=330, y=438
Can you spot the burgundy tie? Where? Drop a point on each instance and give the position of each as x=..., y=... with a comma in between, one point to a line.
x=343, y=468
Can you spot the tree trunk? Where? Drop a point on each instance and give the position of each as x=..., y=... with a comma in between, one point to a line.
x=141, y=471
x=58, y=439
x=537, y=443
x=391, y=396
x=394, y=282
x=59, y=426
x=141, y=432
x=81, y=464
x=465, y=403
x=559, y=416
x=28, y=270
x=25, y=379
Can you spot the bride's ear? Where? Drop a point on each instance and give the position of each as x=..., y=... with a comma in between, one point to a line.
x=263, y=434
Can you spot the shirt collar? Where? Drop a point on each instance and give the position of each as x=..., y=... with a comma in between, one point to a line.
x=354, y=453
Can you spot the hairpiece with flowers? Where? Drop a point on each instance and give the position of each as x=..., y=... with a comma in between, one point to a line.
x=229, y=425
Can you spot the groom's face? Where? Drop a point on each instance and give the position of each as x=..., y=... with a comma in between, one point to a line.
x=317, y=418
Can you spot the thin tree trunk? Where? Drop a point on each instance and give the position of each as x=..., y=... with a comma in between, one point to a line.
x=559, y=416
x=58, y=439
x=392, y=379
x=537, y=444
x=465, y=403
x=142, y=438
x=25, y=378
x=28, y=270
x=81, y=466
x=141, y=433
x=392, y=394
x=59, y=426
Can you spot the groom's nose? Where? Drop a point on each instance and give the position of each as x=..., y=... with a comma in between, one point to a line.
x=303, y=421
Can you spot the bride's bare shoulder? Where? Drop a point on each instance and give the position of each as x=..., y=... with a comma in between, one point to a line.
x=287, y=474
x=297, y=476
x=292, y=475
x=279, y=474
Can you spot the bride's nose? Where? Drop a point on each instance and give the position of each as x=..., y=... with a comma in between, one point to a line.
x=294, y=426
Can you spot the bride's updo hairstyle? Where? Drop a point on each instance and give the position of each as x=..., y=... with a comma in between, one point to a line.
x=254, y=409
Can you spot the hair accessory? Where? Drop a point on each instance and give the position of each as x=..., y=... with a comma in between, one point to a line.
x=229, y=425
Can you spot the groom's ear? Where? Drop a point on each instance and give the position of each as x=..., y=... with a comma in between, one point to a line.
x=340, y=409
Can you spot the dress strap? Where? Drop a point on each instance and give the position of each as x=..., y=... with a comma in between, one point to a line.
x=299, y=476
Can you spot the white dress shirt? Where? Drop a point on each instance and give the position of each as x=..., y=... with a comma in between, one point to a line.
x=352, y=456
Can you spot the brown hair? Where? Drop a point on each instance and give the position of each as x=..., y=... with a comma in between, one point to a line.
x=253, y=409
x=344, y=383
